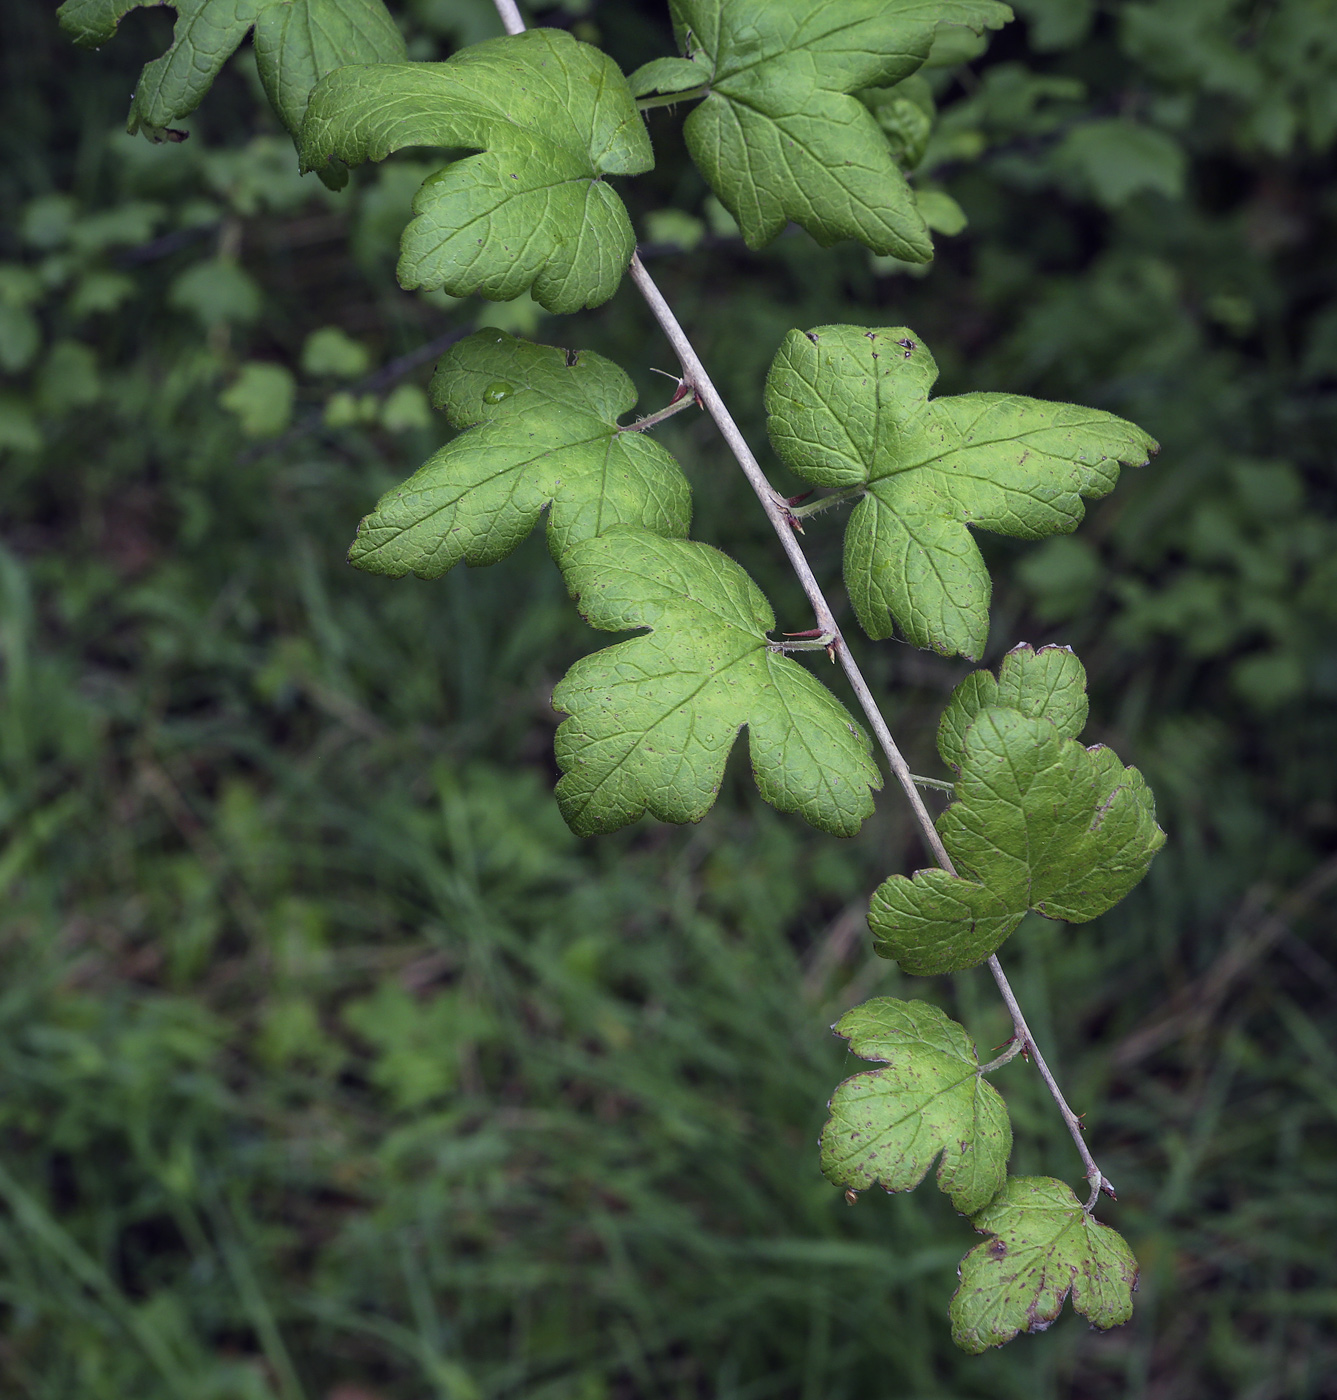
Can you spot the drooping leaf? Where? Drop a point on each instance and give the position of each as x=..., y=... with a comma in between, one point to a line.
x=849, y=406
x=780, y=136
x=296, y=43
x=888, y=1125
x=1049, y=683
x=542, y=432
x=1044, y=1246
x=1038, y=822
x=550, y=116
x=652, y=720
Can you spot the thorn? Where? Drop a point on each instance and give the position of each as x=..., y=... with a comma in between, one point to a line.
x=811, y=632
x=680, y=392
x=799, y=499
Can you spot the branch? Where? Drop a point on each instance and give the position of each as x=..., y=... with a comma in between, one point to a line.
x=782, y=521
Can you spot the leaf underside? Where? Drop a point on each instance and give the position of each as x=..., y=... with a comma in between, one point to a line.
x=550, y=118
x=1044, y=1246
x=540, y=433
x=296, y=42
x=850, y=407
x=652, y=720
x=888, y=1125
x=1038, y=823
x=780, y=136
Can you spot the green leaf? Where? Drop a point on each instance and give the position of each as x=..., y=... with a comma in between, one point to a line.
x=550, y=116
x=296, y=43
x=1117, y=159
x=1038, y=822
x=1044, y=1245
x=941, y=212
x=667, y=75
x=331, y=351
x=780, y=135
x=652, y=720
x=905, y=113
x=1049, y=683
x=217, y=292
x=888, y=1125
x=850, y=407
x=262, y=398
x=542, y=431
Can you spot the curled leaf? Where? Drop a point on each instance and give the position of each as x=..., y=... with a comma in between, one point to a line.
x=1049, y=683
x=1038, y=822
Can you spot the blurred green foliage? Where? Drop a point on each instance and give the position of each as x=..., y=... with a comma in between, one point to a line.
x=335, y=1067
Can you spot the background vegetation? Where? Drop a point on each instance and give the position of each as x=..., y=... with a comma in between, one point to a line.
x=334, y=1067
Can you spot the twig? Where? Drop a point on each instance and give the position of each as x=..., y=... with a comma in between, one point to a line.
x=671, y=99
x=510, y=16
x=652, y=420
x=782, y=521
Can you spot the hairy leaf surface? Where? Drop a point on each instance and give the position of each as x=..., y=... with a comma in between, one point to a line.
x=780, y=137
x=1039, y=822
x=1044, y=1245
x=551, y=117
x=850, y=406
x=297, y=42
x=1049, y=683
x=542, y=432
x=652, y=720
x=888, y=1125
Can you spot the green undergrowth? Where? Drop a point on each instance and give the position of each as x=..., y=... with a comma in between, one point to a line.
x=335, y=1067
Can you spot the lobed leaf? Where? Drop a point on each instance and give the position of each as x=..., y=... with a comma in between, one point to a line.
x=1044, y=1247
x=550, y=118
x=849, y=406
x=1038, y=823
x=780, y=135
x=541, y=433
x=1049, y=683
x=296, y=42
x=652, y=720
x=888, y=1125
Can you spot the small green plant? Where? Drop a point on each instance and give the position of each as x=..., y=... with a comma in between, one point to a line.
x=813, y=114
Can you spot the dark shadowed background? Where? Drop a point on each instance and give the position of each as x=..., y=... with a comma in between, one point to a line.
x=334, y=1067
